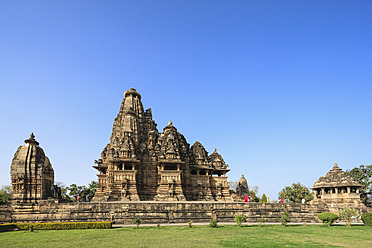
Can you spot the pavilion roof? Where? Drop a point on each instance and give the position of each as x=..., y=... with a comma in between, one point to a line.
x=336, y=178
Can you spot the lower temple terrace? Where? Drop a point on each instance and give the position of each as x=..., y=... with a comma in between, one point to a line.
x=141, y=164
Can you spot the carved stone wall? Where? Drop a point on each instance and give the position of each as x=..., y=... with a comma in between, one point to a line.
x=5, y=214
x=159, y=212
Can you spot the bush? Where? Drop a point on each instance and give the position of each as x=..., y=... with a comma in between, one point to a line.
x=56, y=226
x=7, y=227
x=285, y=218
x=347, y=214
x=137, y=221
x=262, y=222
x=212, y=223
x=367, y=219
x=239, y=219
x=328, y=218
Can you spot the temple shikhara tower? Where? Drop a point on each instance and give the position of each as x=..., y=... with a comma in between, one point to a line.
x=32, y=175
x=140, y=163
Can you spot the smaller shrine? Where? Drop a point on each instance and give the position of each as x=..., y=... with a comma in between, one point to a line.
x=242, y=188
x=32, y=175
x=337, y=190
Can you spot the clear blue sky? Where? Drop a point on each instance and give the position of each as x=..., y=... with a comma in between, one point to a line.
x=282, y=90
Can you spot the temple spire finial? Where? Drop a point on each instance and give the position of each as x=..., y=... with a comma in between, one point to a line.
x=31, y=140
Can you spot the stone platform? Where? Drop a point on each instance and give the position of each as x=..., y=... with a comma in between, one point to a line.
x=152, y=212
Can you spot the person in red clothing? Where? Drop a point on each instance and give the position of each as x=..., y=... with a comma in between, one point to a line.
x=78, y=198
x=281, y=200
x=246, y=199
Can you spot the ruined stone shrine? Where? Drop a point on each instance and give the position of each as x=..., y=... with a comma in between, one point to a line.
x=32, y=175
x=337, y=190
x=141, y=164
x=242, y=188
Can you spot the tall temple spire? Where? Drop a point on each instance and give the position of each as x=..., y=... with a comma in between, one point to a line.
x=129, y=119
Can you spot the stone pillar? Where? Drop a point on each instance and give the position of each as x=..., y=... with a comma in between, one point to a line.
x=348, y=190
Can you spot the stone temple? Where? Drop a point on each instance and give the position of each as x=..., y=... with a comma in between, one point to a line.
x=141, y=164
x=32, y=175
x=337, y=190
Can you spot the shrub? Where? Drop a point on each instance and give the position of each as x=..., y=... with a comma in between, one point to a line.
x=56, y=226
x=262, y=222
x=347, y=214
x=7, y=227
x=212, y=223
x=328, y=218
x=284, y=219
x=137, y=221
x=239, y=219
x=367, y=219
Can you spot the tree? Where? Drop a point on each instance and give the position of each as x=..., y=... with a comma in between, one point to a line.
x=75, y=190
x=83, y=191
x=347, y=214
x=137, y=221
x=232, y=185
x=64, y=190
x=5, y=191
x=363, y=174
x=263, y=198
x=296, y=193
x=284, y=219
x=253, y=194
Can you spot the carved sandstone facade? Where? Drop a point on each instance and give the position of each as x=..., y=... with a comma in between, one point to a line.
x=141, y=164
x=32, y=175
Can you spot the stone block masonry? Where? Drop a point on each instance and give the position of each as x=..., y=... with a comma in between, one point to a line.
x=157, y=212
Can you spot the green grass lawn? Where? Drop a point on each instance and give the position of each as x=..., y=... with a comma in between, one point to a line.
x=198, y=236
